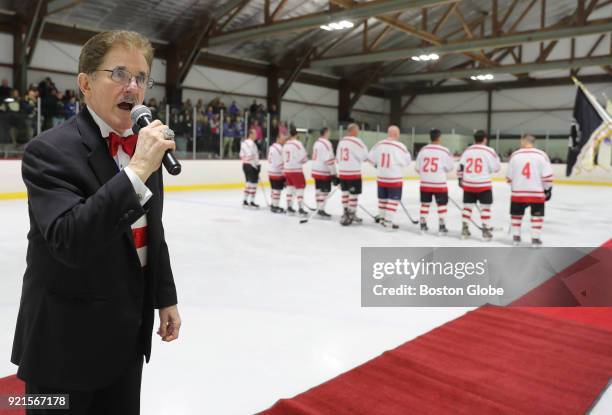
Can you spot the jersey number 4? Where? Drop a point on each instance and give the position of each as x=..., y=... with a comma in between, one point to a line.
x=430, y=164
x=474, y=165
x=526, y=170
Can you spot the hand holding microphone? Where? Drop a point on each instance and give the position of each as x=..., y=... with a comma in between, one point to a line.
x=155, y=145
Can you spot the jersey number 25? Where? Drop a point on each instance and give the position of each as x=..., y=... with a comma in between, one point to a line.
x=430, y=164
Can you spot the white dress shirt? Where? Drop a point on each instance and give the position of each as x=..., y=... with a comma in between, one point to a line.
x=123, y=159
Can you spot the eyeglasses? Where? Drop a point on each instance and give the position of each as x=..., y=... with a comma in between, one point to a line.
x=124, y=77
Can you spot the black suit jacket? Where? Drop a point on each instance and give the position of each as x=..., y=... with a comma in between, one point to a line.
x=87, y=306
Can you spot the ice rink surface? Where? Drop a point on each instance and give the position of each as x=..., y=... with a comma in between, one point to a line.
x=271, y=307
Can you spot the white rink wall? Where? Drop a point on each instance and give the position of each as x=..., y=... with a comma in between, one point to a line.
x=225, y=173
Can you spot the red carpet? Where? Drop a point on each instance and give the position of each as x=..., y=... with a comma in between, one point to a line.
x=493, y=360
x=11, y=386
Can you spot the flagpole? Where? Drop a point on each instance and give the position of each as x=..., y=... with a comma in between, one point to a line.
x=602, y=112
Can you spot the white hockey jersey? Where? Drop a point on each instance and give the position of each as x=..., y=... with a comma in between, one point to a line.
x=351, y=152
x=391, y=158
x=275, y=162
x=432, y=164
x=249, y=154
x=478, y=162
x=529, y=174
x=294, y=156
x=323, y=160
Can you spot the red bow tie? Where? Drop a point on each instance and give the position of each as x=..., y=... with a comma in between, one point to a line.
x=127, y=143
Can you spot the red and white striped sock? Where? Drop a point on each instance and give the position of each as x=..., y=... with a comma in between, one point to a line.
x=467, y=212
x=345, y=199
x=300, y=198
x=516, y=225
x=485, y=215
x=424, y=210
x=392, y=210
x=319, y=198
x=321, y=206
x=382, y=207
x=253, y=190
x=290, y=190
x=353, y=201
x=276, y=194
x=536, y=226
x=442, y=209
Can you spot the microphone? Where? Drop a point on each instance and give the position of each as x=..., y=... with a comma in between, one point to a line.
x=141, y=117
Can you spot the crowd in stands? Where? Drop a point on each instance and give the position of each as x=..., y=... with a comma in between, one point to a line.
x=218, y=128
x=214, y=120
x=19, y=112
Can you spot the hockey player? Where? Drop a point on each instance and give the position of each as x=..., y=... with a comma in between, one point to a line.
x=432, y=164
x=530, y=176
x=275, y=172
x=323, y=171
x=294, y=158
x=478, y=162
x=351, y=152
x=249, y=154
x=391, y=158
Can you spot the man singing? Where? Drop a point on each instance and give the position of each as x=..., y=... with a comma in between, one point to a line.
x=97, y=260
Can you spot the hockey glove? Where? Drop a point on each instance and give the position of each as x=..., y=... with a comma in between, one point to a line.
x=548, y=193
x=335, y=180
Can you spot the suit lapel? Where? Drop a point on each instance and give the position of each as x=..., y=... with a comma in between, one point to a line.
x=99, y=158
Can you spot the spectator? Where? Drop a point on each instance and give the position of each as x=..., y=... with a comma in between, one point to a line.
x=273, y=111
x=5, y=90
x=59, y=115
x=253, y=109
x=222, y=108
x=49, y=104
x=206, y=140
x=282, y=129
x=273, y=130
x=210, y=113
x=70, y=107
x=29, y=107
x=16, y=119
x=238, y=132
x=234, y=110
x=229, y=127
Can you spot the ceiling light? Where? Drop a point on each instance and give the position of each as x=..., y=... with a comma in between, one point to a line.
x=343, y=24
x=424, y=57
x=434, y=57
x=482, y=77
x=416, y=58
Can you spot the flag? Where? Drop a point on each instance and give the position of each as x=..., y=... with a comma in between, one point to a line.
x=591, y=126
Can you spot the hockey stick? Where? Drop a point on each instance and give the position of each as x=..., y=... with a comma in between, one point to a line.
x=306, y=219
x=472, y=220
x=367, y=212
x=415, y=222
x=461, y=210
x=263, y=191
x=308, y=207
x=497, y=228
